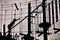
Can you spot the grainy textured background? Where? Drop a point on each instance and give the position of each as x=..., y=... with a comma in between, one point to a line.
x=52, y=36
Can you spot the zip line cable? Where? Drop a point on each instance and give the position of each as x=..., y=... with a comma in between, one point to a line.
x=26, y=16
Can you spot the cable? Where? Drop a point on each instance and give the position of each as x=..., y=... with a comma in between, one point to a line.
x=26, y=17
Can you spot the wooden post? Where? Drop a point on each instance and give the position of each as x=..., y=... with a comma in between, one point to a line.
x=29, y=18
x=44, y=21
x=4, y=30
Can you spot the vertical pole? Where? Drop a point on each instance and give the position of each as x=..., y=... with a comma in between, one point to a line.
x=16, y=6
x=44, y=21
x=29, y=18
x=44, y=13
x=56, y=10
x=4, y=30
x=9, y=32
x=49, y=13
x=52, y=13
x=59, y=5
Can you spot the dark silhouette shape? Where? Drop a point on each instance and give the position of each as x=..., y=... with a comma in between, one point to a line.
x=27, y=37
x=1, y=37
x=6, y=37
x=45, y=25
x=59, y=5
x=0, y=34
x=4, y=34
x=12, y=23
x=52, y=13
x=41, y=32
x=56, y=10
x=49, y=13
x=16, y=6
x=9, y=36
x=57, y=30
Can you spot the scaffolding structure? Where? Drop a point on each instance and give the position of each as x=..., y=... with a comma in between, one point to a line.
x=8, y=12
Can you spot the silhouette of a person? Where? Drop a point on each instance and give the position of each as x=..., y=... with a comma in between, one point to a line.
x=12, y=23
